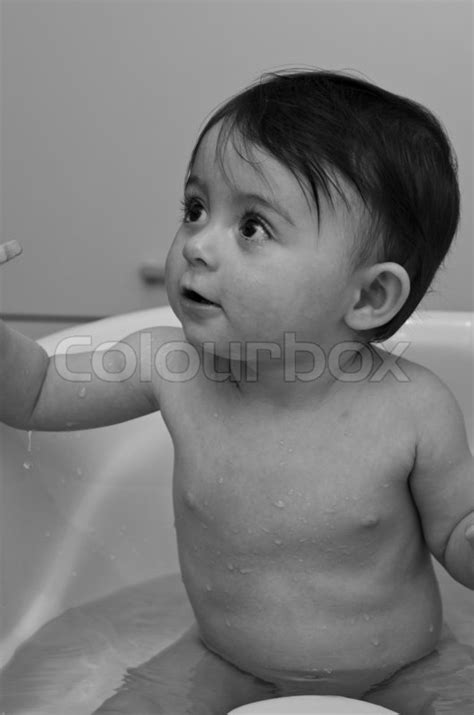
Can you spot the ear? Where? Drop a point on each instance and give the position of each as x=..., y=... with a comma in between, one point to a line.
x=380, y=292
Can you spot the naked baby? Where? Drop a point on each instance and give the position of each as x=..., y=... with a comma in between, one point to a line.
x=314, y=473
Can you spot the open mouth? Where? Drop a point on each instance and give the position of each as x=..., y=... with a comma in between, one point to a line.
x=196, y=297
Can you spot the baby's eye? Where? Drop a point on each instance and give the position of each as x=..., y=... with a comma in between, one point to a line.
x=191, y=210
x=250, y=223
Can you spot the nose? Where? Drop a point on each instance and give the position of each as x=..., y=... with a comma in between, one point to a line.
x=200, y=249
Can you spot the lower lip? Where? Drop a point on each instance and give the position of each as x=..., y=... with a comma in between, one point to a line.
x=193, y=306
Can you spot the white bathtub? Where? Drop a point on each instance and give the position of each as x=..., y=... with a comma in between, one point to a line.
x=85, y=514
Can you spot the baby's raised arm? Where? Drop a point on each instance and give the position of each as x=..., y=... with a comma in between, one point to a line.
x=442, y=480
x=80, y=390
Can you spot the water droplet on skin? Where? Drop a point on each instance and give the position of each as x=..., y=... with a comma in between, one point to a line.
x=301, y=541
x=27, y=465
x=79, y=472
x=227, y=622
x=29, y=440
x=375, y=642
x=82, y=392
x=291, y=491
x=281, y=443
x=328, y=670
x=230, y=566
x=290, y=449
x=431, y=628
x=208, y=587
x=278, y=542
x=267, y=531
x=216, y=415
x=204, y=526
x=245, y=570
x=279, y=504
x=366, y=617
x=220, y=480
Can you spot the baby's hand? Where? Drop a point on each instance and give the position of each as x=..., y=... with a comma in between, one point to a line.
x=9, y=250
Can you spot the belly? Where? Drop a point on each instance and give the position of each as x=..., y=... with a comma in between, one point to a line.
x=298, y=610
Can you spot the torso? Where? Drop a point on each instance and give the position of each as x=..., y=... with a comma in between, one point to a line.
x=299, y=543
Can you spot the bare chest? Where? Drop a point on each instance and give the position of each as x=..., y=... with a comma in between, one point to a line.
x=247, y=478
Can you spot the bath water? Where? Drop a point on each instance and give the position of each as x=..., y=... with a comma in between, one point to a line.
x=79, y=659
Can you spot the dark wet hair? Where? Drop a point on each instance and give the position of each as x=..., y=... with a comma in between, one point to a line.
x=394, y=152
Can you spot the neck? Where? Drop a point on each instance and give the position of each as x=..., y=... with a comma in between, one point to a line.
x=296, y=380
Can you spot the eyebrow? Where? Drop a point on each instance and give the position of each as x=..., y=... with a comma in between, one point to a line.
x=263, y=200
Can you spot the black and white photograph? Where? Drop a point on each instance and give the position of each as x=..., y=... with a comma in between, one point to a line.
x=236, y=357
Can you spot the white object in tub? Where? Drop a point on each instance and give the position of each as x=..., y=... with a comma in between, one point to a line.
x=311, y=705
x=85, y=514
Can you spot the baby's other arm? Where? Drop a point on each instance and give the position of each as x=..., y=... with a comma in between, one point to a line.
x=80, y=390
x=442, y=480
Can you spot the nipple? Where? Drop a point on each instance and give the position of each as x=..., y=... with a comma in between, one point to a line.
x=370, y=520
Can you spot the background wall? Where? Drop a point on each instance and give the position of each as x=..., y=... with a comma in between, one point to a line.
x=102, y=101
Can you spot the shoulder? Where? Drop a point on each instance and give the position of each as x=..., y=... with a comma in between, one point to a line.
x=436, y=415
x=399, y=373
x=421, y=395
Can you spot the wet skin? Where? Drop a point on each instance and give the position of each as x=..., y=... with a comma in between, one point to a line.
x=303, y=558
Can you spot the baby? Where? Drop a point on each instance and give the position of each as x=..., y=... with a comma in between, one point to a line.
x=315, y=472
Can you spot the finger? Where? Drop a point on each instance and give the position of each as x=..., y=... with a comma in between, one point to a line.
x=9, y=250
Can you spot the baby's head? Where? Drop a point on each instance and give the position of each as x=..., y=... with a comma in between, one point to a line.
x=386, y=157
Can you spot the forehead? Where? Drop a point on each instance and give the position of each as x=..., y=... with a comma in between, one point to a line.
x=248, y=169
x=226, y=160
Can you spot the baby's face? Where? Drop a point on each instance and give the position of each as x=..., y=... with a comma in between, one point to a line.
x=254, y=249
